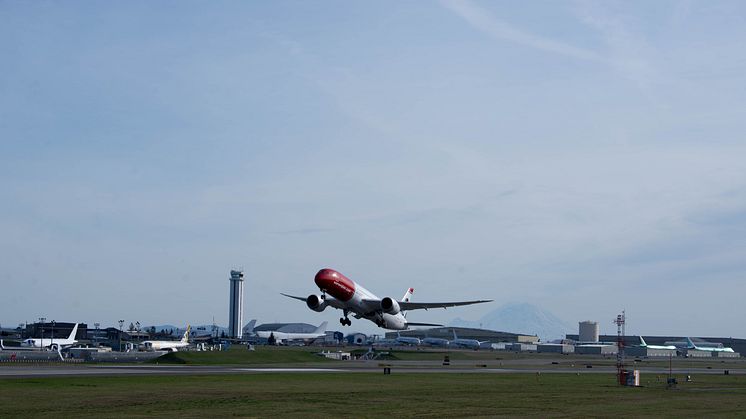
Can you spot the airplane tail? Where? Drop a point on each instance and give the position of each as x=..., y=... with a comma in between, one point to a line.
x=454, y=334
x=690, y=344
x=642, y=341
x=321, y=328
x=185, y=338
x=73, y=333
x=249, y=328
x=407, y=296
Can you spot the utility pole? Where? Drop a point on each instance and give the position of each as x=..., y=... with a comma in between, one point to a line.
x=619, y=321
x=41, y=326
x=121, y=323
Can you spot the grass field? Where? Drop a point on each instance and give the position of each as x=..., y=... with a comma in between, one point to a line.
x=368, y=395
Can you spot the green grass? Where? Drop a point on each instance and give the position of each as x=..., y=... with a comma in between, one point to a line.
x=368, y=395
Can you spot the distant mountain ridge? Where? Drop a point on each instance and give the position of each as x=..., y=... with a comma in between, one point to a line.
x=522, y=318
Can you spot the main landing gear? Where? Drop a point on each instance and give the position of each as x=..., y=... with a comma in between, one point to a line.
x=345, y=321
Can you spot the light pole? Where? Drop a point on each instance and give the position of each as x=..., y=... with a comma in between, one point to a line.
x=121, y=323
x=137, y=327
x=96, y=337
x=41, y=326
x=51, y=345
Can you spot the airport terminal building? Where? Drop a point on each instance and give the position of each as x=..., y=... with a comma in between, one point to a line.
x=632, y=343
x=465, y=333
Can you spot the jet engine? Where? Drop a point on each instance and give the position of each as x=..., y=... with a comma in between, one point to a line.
x=389, y=305
x=315, y=303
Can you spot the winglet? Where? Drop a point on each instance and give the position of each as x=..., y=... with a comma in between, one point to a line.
x=642, y=341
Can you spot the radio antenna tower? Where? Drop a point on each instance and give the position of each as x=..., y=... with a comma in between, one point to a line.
x=619, y=321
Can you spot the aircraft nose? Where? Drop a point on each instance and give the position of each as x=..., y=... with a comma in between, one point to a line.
x=325, y=278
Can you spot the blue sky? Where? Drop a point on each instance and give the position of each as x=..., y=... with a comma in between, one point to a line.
x=586, y=157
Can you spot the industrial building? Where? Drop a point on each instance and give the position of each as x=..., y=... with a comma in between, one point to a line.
x=633, y=341
x=599, y=349
x=465, y=333
x=642, y=351
x=285, y=327
x=588, y=331
x=556, y=348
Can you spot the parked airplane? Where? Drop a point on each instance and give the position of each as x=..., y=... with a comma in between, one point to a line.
x=167, y=345
x=645, y=345
x=407, y=340
x=51, y=343
x=282, y=338
x=16, y=348
x=350, y=297
x=466, y=343
x=436, y=341
x=716, y=347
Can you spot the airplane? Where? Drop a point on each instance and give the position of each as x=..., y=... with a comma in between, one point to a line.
x=466, y=343
x=52, y=344
x=643, y=344
x=436, y=341
x=285, y=337
x=717, y=347
x=406, y=340
x=15, y=348
x=344, y=294
x=167, y=345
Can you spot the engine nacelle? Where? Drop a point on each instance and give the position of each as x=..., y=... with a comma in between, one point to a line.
x=389, y=305
x=315, y=303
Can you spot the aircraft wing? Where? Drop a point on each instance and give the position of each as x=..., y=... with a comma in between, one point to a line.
x=425, y=306
x=292, y=296
x=409, y=305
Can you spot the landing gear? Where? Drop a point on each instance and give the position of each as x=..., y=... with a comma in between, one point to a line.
x=344, y=320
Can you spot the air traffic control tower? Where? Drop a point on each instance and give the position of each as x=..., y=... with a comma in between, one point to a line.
x=235, y=316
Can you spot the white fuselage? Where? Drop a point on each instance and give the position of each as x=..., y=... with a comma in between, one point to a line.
x=467, y=343
x=406, y=340
x=370, y=311
x=286, y=337
x=436, y=341
x=163, y=345
x=48, y=343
